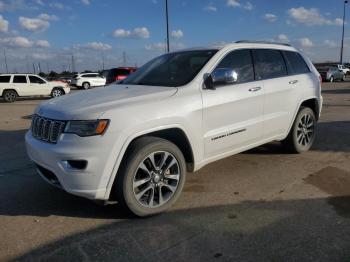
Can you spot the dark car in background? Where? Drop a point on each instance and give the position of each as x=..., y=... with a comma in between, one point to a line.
x=331, y=73
x=117, y=74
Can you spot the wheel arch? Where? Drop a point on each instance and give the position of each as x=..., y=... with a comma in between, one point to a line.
x=8, y=89
x=173, y=134
x=58, y=87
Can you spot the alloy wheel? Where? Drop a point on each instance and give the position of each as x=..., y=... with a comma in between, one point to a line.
x=56, y=93
x=305, y=130
x=156, y=179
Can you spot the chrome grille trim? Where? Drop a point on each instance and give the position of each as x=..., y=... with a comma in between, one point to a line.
x=46, y=129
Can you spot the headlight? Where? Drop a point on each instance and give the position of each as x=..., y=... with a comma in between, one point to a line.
x=87, y=128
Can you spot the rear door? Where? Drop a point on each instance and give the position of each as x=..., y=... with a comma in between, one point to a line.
x=233, y=113
x=20, y=84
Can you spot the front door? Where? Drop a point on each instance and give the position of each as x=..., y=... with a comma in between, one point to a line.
x=233, y=114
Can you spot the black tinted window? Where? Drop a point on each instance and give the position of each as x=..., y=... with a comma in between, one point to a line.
x=19, y=79
x=241, y=62
x=122, y=72
x=269, y=64
x=173, y=69
x=5, y=79
x=36, y=80
x=295, y=63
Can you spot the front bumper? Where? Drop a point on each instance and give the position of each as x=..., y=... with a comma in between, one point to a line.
x=90, y=182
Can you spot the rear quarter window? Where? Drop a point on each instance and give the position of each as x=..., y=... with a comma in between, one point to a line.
x=5, y=79
x=295, y=63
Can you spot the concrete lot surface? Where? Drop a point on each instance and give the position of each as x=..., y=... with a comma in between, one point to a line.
x=262, y=205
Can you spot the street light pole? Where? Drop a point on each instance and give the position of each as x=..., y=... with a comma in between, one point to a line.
x=342, y=38
x=167, y=26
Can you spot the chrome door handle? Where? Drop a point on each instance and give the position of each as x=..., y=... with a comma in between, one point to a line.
x=293, y=82
x=254, y=89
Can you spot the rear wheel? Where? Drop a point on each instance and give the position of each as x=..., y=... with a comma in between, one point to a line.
x=302, y=134
x=151, y=177
x=10, y=96
x=86, y=85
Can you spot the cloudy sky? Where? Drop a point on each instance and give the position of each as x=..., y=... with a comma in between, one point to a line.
x=50, y=32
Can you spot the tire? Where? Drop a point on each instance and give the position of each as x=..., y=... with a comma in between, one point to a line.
x=302, y=134
x=147, y=189
x=57, y=92
x=10, y=96
x=86, y=85
x=331, y=80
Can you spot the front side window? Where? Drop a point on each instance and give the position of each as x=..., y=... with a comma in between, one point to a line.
x=241, y=62
x=5, y=79
x=295, y=63
x=19, y=79
x=173, y=69
x=269, y=64
x=36, y=80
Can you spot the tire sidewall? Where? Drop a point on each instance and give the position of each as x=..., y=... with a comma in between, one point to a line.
x=83, y=85
x=56, y=89
x=132, y=165
x=301, y=113
x=13, y=99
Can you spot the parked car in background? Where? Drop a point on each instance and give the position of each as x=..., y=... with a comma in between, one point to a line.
x=118, y=74
x=64, y=79
x=21, y=85
x=331, y=73
x=134, y=142
x=344, y=69
x=87, y=80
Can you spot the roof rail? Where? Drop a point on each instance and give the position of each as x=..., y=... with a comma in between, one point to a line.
x=260, y=42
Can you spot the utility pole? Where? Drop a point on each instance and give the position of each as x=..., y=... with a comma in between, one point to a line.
x=103, y=62
x=342, y=38
x=7, y=69
x=39, y=67
x=73, y=64
x=33, y=68
x=167, y=26
x=27, y=64
x=124, y=58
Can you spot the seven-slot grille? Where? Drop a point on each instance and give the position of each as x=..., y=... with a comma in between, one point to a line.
x=47, y=129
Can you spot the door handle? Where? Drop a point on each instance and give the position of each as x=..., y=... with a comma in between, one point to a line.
x=293, y=82
x=254, y=89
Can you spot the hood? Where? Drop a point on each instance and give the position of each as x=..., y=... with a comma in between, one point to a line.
x=91, y=104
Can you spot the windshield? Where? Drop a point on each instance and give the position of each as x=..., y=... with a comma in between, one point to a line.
x=174, y=69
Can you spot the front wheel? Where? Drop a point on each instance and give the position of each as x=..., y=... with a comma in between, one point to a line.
x=302, y=134
x=56, y=92
x=331, y=80
x=343, y=78
x=86, y=85
x=151, y=177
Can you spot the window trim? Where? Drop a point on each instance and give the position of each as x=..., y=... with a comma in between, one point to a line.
x=13, y=78
x=295, y=74
x=231, y=51
x=278, y=50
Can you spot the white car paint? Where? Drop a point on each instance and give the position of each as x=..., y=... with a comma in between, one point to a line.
x=32, y=89
x=344, y=69
x=94, y=79
x=202, y=114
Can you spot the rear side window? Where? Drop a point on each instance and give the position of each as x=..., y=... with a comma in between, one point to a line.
x=5, y=79
x=295, y=63
x=19, y=79
x=240, y=61
x=269, y=64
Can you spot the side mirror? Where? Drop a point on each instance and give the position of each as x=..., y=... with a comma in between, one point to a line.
x=220, y=76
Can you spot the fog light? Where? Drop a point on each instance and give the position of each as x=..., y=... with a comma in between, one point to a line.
x=76, y=164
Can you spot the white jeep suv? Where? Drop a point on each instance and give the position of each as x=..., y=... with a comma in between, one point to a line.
x=88, y=80
x=134, y=142
x=21, y=85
